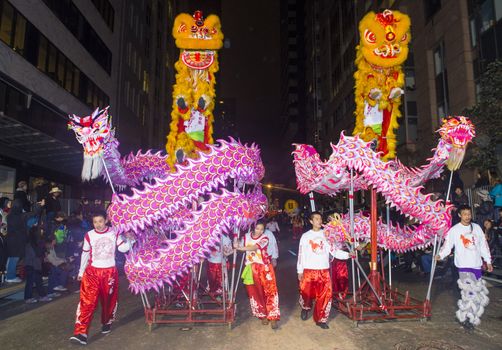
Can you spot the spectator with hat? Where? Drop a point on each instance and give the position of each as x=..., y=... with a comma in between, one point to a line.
x=52, y=207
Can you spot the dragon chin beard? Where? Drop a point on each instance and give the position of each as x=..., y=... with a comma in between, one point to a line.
x=92, y=167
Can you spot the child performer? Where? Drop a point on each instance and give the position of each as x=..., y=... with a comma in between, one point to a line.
x=313, y=271
x=214, y=268
x=262, y=293
x=99, y=276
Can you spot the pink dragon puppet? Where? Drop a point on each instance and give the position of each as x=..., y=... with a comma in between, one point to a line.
x=172, y=234
x=401, y=186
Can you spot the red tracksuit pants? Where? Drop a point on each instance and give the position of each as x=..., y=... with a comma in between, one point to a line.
x=340, y=277
x=316, y=284
x=214, y=278
x=97, y=283
x=263, y=296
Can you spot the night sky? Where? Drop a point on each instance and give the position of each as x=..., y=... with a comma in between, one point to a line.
x=250, y=74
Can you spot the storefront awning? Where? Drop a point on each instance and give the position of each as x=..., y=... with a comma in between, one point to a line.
x=22, y=142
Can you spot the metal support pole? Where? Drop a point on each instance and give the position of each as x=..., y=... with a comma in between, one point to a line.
x=373, y=237
x=437, y=247
x=388, y=250
x=312, y=202
x=240, y=272
x=371, y=285
x=351, y=215
x=234, y=261
x=108, y=175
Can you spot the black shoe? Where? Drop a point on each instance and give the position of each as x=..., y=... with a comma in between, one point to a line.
x=106, y=328
x=323, y=325
x=79, y=338
x=468, y=327
x=304, y=315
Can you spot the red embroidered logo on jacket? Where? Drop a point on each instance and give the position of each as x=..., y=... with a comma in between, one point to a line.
x=317, y=247
x=466, y=241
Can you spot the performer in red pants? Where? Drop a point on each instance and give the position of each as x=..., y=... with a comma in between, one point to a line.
x=262, y=291
x=214, y=267
x=340, y=277
x=313, y=271
x=99, y=277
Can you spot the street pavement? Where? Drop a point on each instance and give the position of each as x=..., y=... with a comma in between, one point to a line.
x=49, y=325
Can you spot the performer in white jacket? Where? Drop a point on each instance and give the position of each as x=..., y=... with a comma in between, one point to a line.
x=214, y=266
x=99, y=276
x=313, y=271
x=471, y=248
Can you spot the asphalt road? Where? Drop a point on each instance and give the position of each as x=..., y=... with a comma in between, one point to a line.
x=49, y=325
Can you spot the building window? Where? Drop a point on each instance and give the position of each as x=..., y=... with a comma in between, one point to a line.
x=441, y=81
x=81, y=29
x=46, y=57
x=411, y=108
x=19, y=34
x=106, y=11
x=160, y=9
x=409, y=79
x=42, y=54
x=431, y=7
x=51, y=61
x=7, y=23
x=68, y=81
x=412, y=130
x=487, y=15
x=473, y=32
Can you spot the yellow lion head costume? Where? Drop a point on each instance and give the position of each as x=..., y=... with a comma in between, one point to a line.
x=191, y=125
x=379, y=78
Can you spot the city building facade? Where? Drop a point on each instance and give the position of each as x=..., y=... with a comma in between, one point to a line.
x=59, y=57
x=452, y=42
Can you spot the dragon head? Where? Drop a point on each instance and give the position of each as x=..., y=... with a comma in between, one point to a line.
x=92, y=132
x=457, y=131
x=384, y=38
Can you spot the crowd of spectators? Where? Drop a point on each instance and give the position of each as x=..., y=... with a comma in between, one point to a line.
x=39, y=241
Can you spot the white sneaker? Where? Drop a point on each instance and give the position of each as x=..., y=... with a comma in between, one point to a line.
x=46, y=298
x=31, y=301
x=60, y=289
x=53, y=295
x=14, y=280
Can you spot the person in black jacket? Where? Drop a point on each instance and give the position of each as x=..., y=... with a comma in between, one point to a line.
x=34, y=255
x=22, y=194
x=5, y=204
x=52, y=207
x=485, y=210
x=17, y=236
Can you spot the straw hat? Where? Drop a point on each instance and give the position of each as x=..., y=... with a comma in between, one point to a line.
x=55, y=189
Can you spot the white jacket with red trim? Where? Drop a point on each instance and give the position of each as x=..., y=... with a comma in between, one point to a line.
x=99, y=248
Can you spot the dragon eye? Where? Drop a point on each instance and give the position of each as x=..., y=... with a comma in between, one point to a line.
x=405, y=36
x=96, y=125
x=369, y=36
